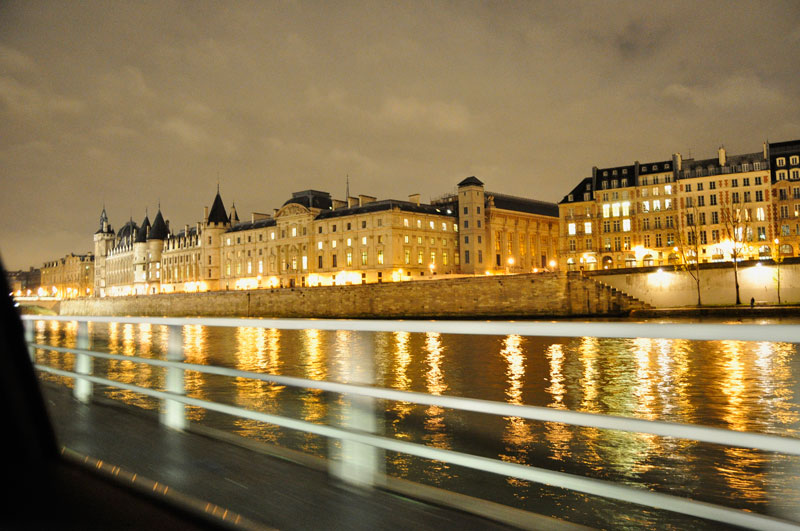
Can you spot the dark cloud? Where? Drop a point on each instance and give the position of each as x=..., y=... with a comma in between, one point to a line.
x=129, y=103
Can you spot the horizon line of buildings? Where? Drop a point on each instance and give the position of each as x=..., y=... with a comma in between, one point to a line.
x=672, y=211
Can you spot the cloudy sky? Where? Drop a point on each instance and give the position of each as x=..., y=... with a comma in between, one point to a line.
x=131, y=103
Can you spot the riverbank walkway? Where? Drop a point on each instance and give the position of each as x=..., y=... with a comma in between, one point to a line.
x=268, y=492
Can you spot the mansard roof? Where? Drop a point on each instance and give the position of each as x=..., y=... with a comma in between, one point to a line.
x=522, y=204
x=141, y=234
x=218, y=213
x=159, y=230
x=386, y=204
x=257, y=224
x=576, y=195
x=311, y=199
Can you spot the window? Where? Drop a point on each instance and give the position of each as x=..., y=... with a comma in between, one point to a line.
x=759, y=195
x=794, y=159
x=688, y=187
x=781, y=161
x=571, y=229
x=380, y=257
x=712, y=199
x=587, y=228
x=699, y=187
x=466, y=210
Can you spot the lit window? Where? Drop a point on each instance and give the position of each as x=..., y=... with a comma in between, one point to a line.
x=587, y=228
x=363, y=240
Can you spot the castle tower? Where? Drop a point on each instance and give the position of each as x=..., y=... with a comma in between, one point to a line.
x=472, y=229
x=155, y=245
x=140, y=258
x=214, y=226
x=103, y=242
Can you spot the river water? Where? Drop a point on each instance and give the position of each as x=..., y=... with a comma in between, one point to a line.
x=748, y=386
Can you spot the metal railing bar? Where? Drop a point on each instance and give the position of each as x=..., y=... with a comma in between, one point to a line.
x=691, y=331
x=591, y=486
x=707, y=434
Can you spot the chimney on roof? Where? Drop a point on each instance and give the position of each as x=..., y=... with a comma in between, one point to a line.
x=766, y=151
x=414, y=198
x=722, y=158
x=677, y=161
x=364, y=199
x=352, y=201
x=338, y=203
x=205, y=214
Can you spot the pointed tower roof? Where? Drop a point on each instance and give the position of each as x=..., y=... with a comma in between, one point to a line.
x=141, y=234
x=218, y=213
x=233, y=217
x=159, y=229
x=105, y=226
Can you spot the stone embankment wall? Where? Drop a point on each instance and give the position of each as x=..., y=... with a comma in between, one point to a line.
x=664, y=287
x=512, y=296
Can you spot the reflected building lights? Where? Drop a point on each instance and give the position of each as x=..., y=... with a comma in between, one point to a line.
x=517, y=435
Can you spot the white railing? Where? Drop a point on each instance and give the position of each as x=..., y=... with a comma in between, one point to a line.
x=361, y=461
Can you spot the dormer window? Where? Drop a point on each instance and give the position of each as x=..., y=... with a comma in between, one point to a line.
x=781, y=161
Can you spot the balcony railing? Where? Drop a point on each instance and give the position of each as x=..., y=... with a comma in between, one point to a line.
x=361, y=460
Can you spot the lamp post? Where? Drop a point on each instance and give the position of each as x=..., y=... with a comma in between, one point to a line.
x=778, y=265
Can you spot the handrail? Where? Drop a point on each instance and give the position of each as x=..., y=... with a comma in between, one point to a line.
x=360, y=435
x=757, y=441
x=597, y=487
x=694, y=331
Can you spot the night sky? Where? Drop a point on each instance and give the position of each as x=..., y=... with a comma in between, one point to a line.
x=131, y=103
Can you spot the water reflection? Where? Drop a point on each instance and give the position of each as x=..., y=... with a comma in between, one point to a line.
x=257, y=350
x=517, y=435
x=435, y=429
x=732, y=384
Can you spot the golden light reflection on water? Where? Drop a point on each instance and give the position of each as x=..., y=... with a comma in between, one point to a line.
x=557, y=435
x=314, y=407
x=130, y=372
x=402, y=381
x=744, y=386
x=195, y=351
x=435, y=428
x=258, y=350
x=517, y=435
x=744, y=471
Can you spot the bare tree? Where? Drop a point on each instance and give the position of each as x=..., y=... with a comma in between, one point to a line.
x=735, y=218
x=777, y=257
x=688, y=247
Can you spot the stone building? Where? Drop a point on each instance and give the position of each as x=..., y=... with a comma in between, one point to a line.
x=68, y=277
x=313, y=239
x=683, y=210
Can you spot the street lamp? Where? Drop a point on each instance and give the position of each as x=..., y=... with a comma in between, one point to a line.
x=778, y=259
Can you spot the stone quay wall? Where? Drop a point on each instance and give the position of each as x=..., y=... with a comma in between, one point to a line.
x=668, y=287
x=507, y=296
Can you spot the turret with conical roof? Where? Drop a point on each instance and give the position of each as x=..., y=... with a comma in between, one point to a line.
x=215, y=224
x=103, y=243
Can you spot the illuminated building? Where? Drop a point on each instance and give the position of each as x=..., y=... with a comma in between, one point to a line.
x=68, y=277
x=784, y=161
x=315, y=240
x=683, y=210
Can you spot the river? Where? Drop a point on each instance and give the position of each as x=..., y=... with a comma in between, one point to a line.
x=737, y=385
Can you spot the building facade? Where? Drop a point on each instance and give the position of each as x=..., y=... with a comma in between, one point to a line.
x=315, y=240
x=675, y=211
x=68, y=277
